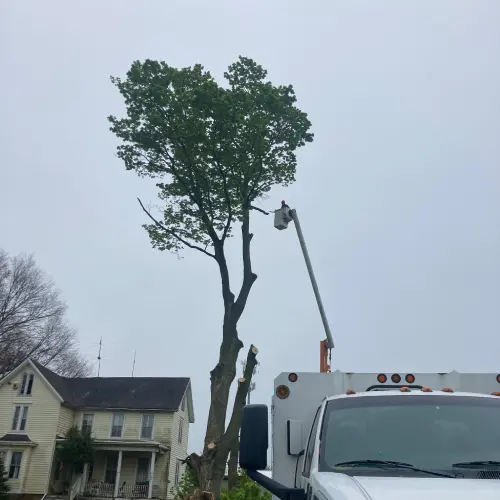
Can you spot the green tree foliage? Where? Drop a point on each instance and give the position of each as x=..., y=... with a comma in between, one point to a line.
x=247, y=489
x=4, y=487
x=213, y=151
x=77, y=449
x=187, y=485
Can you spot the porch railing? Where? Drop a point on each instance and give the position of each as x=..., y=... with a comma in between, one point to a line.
x=107, y=490
x=76, y=487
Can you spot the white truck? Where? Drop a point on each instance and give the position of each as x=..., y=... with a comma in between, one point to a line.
x=378, y=436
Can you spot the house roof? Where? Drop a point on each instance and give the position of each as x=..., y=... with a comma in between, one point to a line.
x=12, y=438
x=134, y=393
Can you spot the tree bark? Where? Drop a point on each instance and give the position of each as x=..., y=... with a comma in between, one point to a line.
x=211, y=464
x=232, y=465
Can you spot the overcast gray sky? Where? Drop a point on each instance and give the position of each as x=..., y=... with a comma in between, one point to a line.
x=398, y=196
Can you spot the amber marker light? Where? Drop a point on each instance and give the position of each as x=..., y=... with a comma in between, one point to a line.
x=282, y=391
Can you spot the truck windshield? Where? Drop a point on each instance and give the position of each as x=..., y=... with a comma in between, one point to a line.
x=427, y=431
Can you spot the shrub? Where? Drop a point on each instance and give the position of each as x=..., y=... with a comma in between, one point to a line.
x=187, y=484
x=247, y=489
x=76, y=450
x=4, y=487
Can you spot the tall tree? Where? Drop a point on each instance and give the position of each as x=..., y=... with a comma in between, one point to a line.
x=32, y=320
x=213, y=151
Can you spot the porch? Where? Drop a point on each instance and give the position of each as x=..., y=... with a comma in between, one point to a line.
x=131, y=470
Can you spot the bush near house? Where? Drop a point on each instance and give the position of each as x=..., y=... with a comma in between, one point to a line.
x=4, y=487
x=247, y=489
x=77, y=450
x=187, y=485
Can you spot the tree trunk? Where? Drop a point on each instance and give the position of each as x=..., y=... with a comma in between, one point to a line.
x=211, y=465
x=211, y=475
x=232, y=465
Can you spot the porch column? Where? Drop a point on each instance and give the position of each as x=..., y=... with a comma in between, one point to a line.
x=151, y=474
x=117, y=477
x=85, y=475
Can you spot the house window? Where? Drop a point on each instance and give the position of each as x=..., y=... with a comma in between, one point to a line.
x=117, y=425
x=142, y=471
x=183, y=404
x=15, y=464
x=19, y=419
x=177, y=473
x=181, y=428
x=87, y=422
x=147, y=426
x=111, y=468
x=26, y=384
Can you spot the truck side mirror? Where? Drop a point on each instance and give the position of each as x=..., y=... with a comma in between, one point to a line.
x=253, y=452
x=254, y=437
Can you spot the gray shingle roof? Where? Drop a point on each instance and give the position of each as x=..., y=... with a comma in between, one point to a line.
x=16, y=438
x=134, y=393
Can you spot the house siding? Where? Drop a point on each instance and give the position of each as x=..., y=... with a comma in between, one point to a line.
x=178, y=450
x=41, y=426
x=66, y=419
x=165, y=430
x=161, y=474
x=129, y=466
x=132, y=422
x=101, y=427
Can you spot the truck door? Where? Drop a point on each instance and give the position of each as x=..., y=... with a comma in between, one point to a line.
x=309, y=456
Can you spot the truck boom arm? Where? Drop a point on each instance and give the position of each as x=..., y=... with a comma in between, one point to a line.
x=282, y=217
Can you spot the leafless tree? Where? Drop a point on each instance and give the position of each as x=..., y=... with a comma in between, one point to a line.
x=32, y=320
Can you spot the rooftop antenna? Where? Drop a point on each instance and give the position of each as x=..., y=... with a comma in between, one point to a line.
x=99, y=358
x=133, y=364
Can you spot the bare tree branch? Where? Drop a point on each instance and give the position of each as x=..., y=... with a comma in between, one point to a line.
x=177, y=237
x=259, y=210
x=32, y=320
x=227, y=294
x=249, y=276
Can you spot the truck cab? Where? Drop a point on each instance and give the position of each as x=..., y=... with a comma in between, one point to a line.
x=340, y=436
